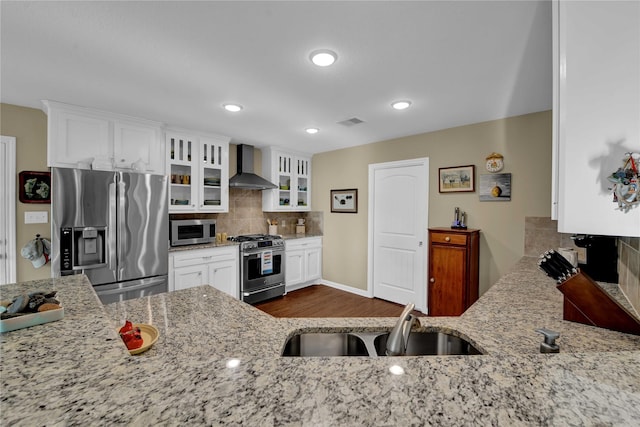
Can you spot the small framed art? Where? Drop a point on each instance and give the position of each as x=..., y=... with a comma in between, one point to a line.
x=344, y=201
x=35, y=187
x=495, y=187
x=456, y=179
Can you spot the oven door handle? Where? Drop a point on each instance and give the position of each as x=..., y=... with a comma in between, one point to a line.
x=275, y=252
x=247, y=294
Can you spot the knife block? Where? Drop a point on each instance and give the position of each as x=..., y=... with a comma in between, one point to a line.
x=586, y=302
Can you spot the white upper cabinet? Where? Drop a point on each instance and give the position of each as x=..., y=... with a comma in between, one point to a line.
x=291, y=172
x=596, y=113
x=198, y=166
x=133, y=140
x=77, y=136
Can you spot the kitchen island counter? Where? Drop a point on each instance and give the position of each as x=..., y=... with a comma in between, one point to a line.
x=217, y=362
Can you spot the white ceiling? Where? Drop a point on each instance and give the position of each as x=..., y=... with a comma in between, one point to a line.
x=178, y=62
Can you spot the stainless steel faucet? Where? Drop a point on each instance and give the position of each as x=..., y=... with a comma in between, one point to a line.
x=399, y=336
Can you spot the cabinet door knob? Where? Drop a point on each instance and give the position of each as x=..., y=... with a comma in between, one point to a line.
x=432, y=280
x=447, y=239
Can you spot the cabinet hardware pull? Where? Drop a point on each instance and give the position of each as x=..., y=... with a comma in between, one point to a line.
x=447, y=239
x=432, y=280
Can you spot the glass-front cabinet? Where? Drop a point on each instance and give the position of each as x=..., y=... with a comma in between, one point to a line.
x=181, y=168
x=291, y=172
x=199, y=173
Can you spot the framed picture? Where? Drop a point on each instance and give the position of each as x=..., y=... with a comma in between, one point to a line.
x=495, y=187
x=35, y=187
x=457, y=179
x=345, y=201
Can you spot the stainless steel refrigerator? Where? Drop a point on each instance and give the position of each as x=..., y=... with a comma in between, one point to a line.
x=113, y=227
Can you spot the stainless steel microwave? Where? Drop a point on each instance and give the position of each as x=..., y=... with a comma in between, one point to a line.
x=192, y=231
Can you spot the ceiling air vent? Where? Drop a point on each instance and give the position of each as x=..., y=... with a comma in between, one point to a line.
x=351, y=122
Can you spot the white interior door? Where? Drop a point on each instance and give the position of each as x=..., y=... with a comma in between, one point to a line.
x=398, y=209
x=8, y=211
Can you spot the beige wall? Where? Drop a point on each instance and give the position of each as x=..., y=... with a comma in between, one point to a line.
x=525, y=143
x=29, y=127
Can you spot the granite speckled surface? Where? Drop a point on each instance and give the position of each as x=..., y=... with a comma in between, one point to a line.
x=202, y=246
x=76, y=371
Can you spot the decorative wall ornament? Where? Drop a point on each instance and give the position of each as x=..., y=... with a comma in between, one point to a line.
x=625, y=183
x=494, y=162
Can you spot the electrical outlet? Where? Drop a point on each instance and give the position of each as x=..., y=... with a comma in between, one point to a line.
x=283, y=223
x=40, y=217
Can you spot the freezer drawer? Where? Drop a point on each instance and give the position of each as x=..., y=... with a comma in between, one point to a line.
x=122, y=291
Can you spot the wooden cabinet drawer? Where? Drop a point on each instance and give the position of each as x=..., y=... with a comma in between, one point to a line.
x=449, y=238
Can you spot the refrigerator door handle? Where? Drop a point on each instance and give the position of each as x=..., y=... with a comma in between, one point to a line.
x=122, y=243
x=112, y=229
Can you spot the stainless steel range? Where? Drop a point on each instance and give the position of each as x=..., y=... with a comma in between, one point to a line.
x=261, y=267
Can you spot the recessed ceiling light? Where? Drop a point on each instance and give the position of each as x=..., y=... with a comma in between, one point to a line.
x=401, y=105
x=234, y=108
x=323, y=57
x=312, y=130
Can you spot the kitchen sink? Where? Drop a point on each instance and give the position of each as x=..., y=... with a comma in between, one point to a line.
x=325, y=344
x=430, y=344
x=373, y=344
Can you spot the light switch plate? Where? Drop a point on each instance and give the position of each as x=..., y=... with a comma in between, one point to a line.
x=40, y=217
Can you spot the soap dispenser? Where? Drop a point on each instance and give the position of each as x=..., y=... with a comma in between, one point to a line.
x=549, y=345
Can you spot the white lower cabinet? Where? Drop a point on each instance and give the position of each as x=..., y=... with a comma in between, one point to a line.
x=217, y=267
x=303, y=261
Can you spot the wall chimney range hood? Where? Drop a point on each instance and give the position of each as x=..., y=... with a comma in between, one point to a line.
x=245, y=178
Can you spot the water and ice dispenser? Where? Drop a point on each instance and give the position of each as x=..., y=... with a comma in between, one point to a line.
x=82, y=248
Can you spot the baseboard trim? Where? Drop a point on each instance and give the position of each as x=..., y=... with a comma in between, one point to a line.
x=339, y=286
x=351, y=289
x=291, y=288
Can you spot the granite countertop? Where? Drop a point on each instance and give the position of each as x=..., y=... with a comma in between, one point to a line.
x=299, y=236
x=78, y=371
x=202, y=246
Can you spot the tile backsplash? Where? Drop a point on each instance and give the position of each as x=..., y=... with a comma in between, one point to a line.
x=245, y=216
x=541, y=234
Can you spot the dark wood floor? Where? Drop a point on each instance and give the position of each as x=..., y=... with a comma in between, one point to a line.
x=325, y=301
